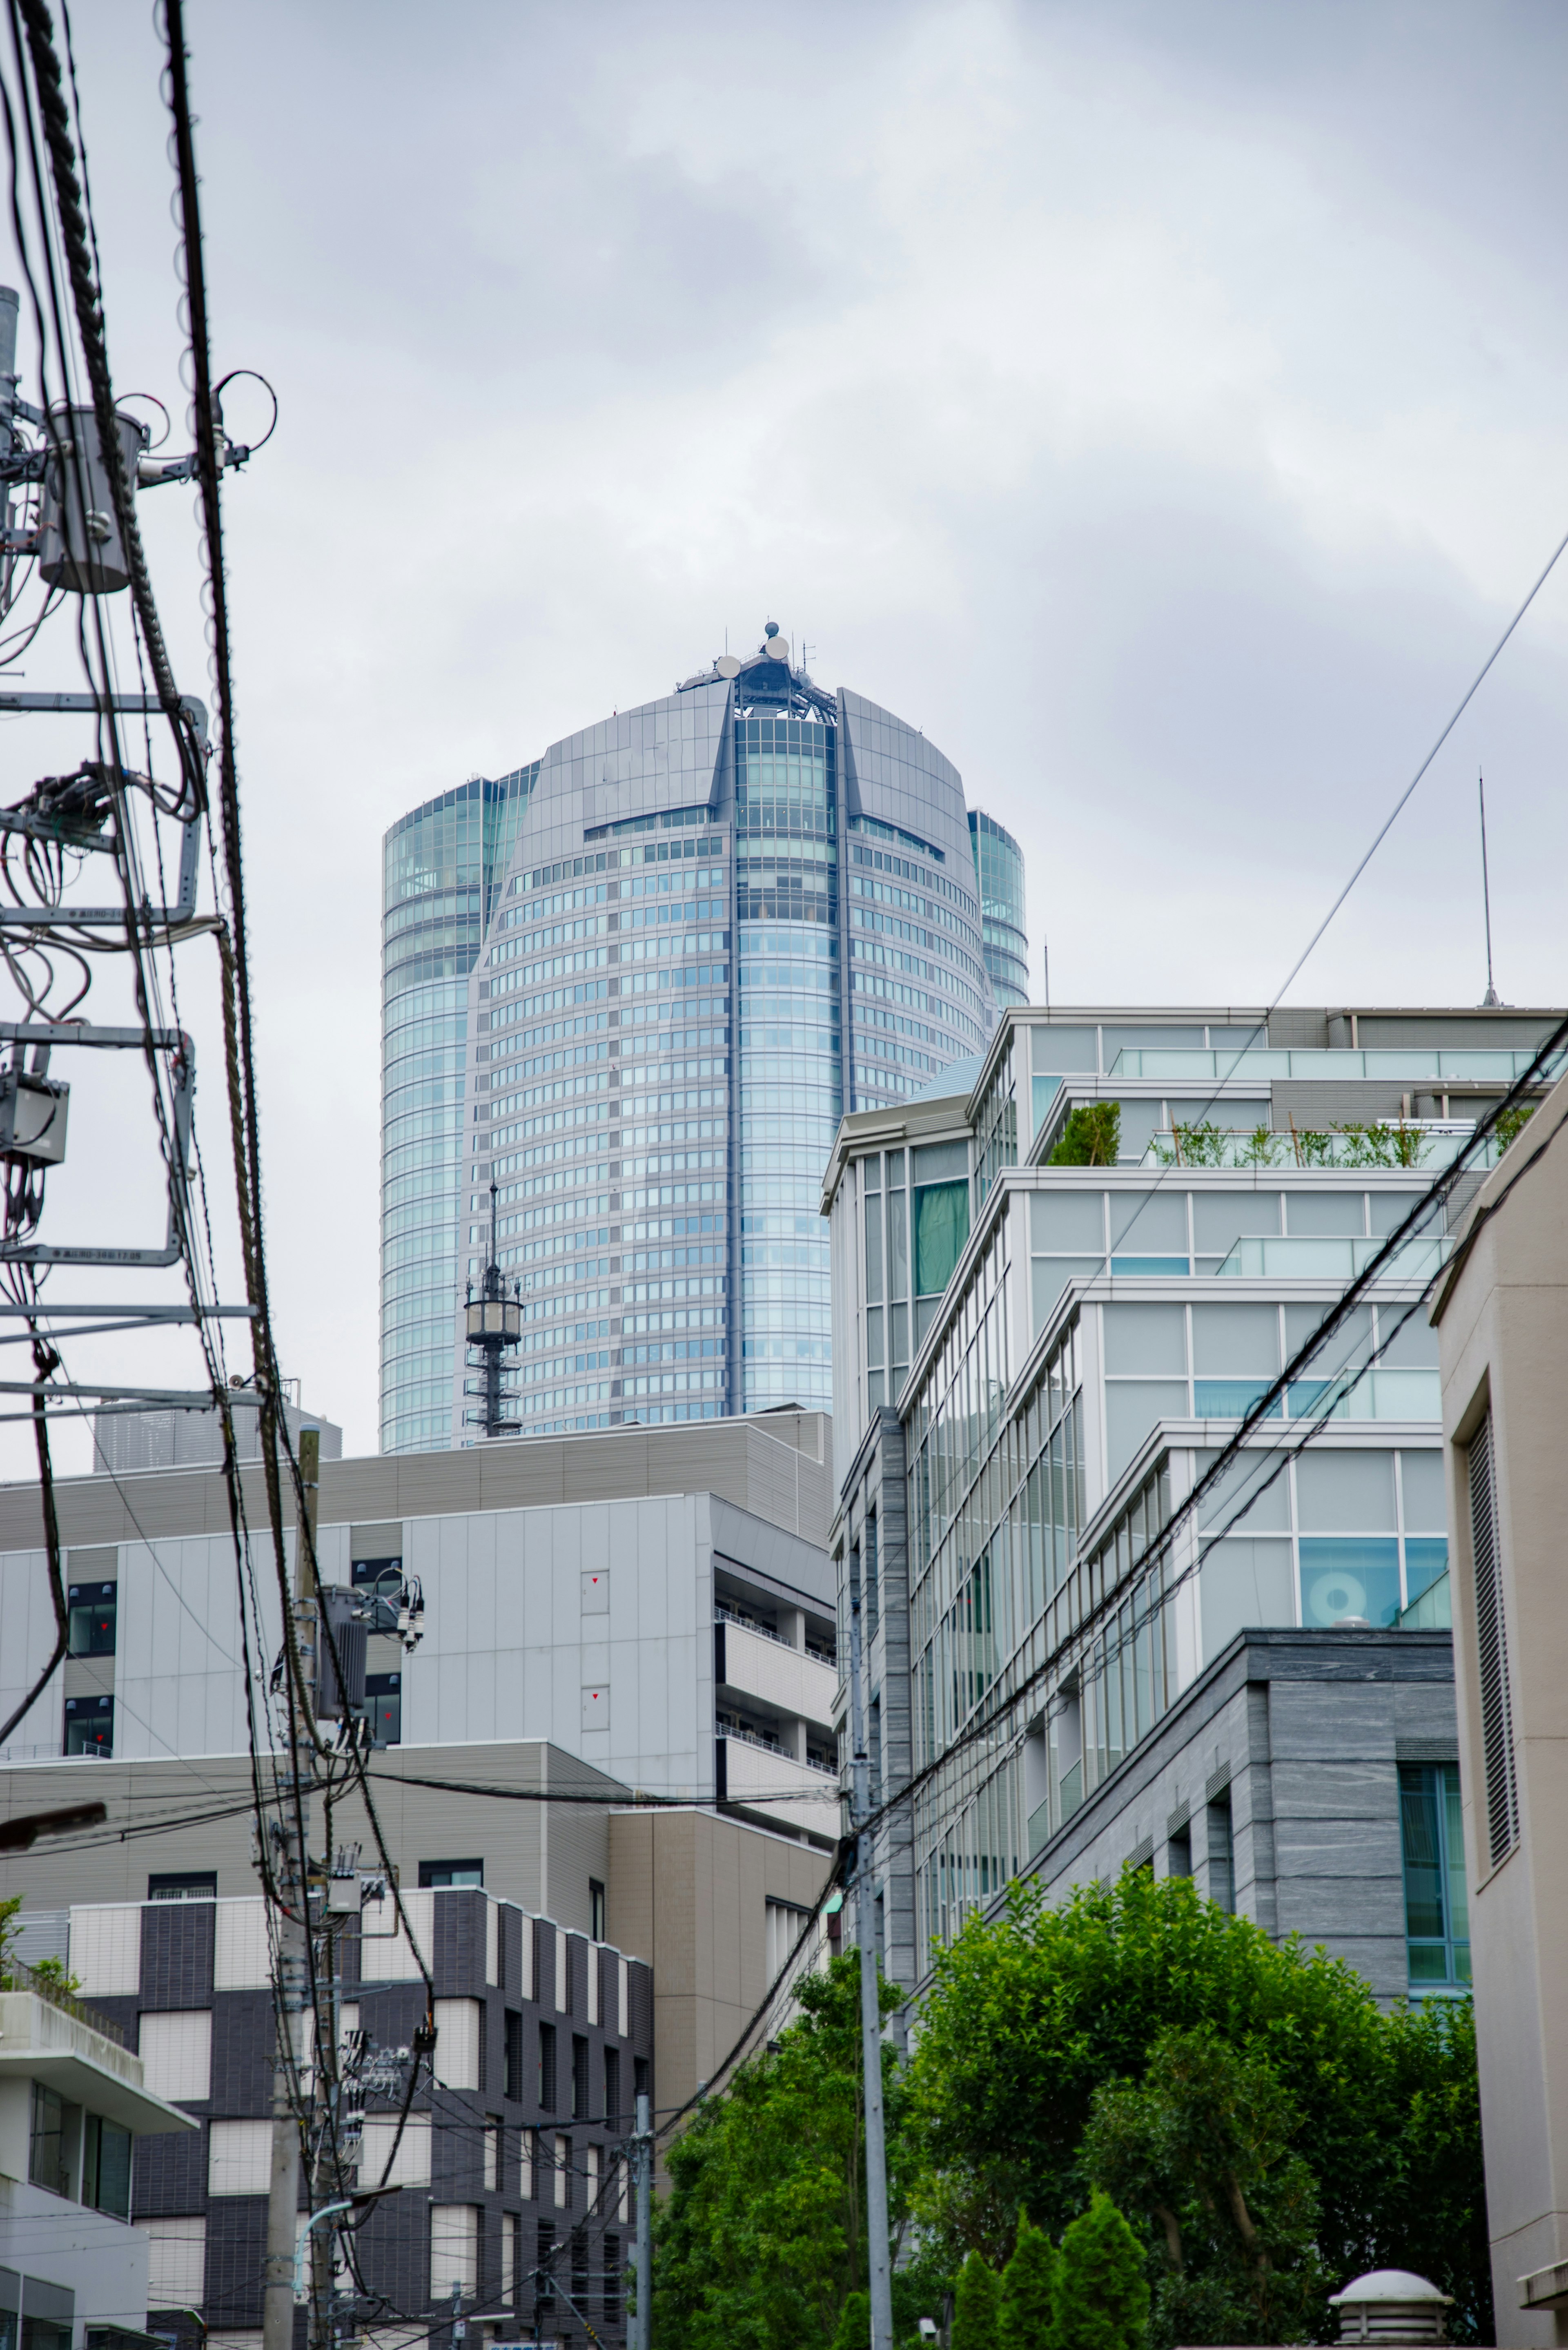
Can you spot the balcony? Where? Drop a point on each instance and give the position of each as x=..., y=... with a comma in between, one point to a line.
x=787, y=1680
x=1333, y=1260
x=48, y=2040
x=787, y=1794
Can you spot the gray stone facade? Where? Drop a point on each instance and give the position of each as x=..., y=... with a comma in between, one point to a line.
x=1279, y=1769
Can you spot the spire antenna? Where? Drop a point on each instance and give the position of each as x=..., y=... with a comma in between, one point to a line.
x=1490, y=999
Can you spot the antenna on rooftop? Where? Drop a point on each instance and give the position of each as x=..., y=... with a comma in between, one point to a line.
x=1490, y=999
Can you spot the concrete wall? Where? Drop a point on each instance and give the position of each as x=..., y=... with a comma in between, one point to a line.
x=690, y=1892
x=539, y=1855
x=1502, y=1316
x=100, y=2262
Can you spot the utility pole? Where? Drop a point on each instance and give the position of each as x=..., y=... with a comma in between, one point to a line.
x=640, y=2334
x=290, y=1867
x=879, y=2259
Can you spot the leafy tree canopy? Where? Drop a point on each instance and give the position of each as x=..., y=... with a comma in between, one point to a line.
x=1091, y=1136
x=761, y=2244
x=1033, y=2013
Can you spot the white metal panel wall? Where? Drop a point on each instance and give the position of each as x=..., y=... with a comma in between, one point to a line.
x=508, y=1649
x=413, y=2166
x=454, y=2249
x=176, y=2050
x=457, y=2043
x=179, y=1680
x=176, y=2262
x=385, y=1953
x=241, y=1954
x=105, y=1950
x=239, y=2157
x=562, y=1985
x=28, y=1613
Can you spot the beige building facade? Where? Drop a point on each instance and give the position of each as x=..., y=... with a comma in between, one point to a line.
x=1503, y=1318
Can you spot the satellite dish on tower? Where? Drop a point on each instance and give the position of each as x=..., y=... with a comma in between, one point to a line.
x=777, y=648
x=727, y=666
x=770, y=627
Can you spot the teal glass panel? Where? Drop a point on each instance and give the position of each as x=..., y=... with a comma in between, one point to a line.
x=942, y=1228
x=1424, y=1561
x=1229, y=1399
x=1151, y=1264
x=1349, y=1575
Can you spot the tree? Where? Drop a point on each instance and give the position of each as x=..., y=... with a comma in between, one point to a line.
x=1102, y=2293
x=761, y=2241
x=855, y=2326
x=1028, y=2307
x=1200, y=2148
x=1033, y=2011
x=977, y=2306
x=1091, y=1136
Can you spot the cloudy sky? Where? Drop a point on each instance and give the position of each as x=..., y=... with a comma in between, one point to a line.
x=1161, y=406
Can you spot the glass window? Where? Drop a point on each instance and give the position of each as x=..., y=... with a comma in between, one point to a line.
x=1325, y=1214
x=596, y=1911
x=384, y=1707
x=1344, y=1492
x=1231, y=1398
x=89, y=1725
x=942, y=1228
x=1145, y=1339
x=92, y=1613
x=441, y=1874
x=1132, y=1407
x=188, y=1884
x=1220, y=1218
x=1054, y=1051
x=1067, y=1221
x=1349, y=1575
x=1437, y=1909
x=106, y=2167
x=1152, y=1223
x=1243, y=1582
x=1231, y=1341
x=1426, y=1503
x=1425, y=1561
x=47, y=2149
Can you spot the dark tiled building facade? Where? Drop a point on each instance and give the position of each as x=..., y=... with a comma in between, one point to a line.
x=514, y=2157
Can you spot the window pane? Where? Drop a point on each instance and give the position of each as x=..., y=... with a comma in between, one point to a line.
x=1350, y=1577
x=942, y=1228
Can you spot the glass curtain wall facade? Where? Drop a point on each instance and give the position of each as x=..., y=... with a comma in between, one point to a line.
x=789, y=1063
x=731, y=915
x=440, y=866
x=1099, y=1334
x=999, y=867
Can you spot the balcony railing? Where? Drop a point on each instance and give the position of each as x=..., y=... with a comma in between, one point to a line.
x=53, y=1989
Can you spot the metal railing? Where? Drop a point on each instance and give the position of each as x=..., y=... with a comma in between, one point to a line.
x=16, y=1975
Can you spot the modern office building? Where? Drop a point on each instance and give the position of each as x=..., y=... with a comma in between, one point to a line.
x=1504, y=1329
x=1004, y=914
x=1033, y=1368
x=656, y=1602
x=441, y=865
x=728, y=917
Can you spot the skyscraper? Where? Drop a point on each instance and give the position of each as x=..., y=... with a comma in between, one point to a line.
x=440, y=864
x=729, y=916
x=999, y=867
